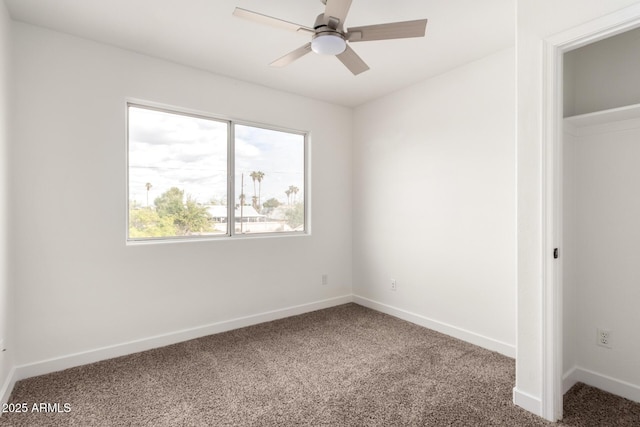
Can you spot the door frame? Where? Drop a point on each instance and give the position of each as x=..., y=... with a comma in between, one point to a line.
x=554, y=48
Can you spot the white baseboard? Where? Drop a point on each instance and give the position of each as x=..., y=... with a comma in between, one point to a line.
x=527, y=401
x=569, y=379
x=603, y=382
x=7, y=387
x=418, y=319
x=83, y=358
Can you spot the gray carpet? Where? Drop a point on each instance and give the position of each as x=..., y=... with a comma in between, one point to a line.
x=344, y=366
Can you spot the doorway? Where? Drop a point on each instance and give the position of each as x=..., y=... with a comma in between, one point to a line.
x=556, y=307
x=601, y=265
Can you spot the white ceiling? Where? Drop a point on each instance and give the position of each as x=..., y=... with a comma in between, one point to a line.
x=205, y=35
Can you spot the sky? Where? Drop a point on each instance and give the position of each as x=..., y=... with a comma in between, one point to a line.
x=173, y=150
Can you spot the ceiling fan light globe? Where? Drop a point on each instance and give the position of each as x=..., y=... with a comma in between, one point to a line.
x=328, y=44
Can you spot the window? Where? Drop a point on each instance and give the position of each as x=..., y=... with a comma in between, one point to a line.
x=192, y=176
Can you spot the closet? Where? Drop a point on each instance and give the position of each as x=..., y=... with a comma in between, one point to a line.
x=601, y=216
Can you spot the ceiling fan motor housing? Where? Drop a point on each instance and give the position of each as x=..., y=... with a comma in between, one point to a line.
x=329, y=38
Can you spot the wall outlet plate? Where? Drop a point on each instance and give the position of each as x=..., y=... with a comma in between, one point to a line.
x=603, y=337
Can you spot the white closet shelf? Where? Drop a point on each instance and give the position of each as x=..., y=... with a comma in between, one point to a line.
x=627, y=112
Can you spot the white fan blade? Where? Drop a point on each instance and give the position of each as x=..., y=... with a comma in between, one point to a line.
x=292, y=56
x=352, y=61
x=337, y=9
x=274, y=22
x=394, y=30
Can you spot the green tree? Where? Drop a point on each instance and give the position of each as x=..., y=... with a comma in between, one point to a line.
x=272, y=203
x=146, y=222
x=170, y=203
x=193, y=218
x=188, y=216
x=218, y=201
x=295, y=215
x=288, y=193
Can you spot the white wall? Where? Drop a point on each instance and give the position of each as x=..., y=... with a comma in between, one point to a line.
x=434, y=202
x=78, y=287
x=604, y=75
x=603, y=233
x=569, y=250
x=5, y=321
x=569, y=85
x=536, y=20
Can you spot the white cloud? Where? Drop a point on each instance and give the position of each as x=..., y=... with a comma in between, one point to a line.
x=172, y=150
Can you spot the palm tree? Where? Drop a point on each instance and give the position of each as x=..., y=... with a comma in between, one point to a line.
x=294, y=190
x=148, y=187
x=288, y=193
x=254, y=177
x=257, y=176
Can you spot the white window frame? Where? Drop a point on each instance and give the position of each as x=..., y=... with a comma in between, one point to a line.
x=231, y=180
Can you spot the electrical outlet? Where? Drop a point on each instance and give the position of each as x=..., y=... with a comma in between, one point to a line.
x=394, y=285
x=603, y=337
x=325, y=279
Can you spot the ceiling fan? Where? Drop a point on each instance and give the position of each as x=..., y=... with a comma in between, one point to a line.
x=329, y=36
